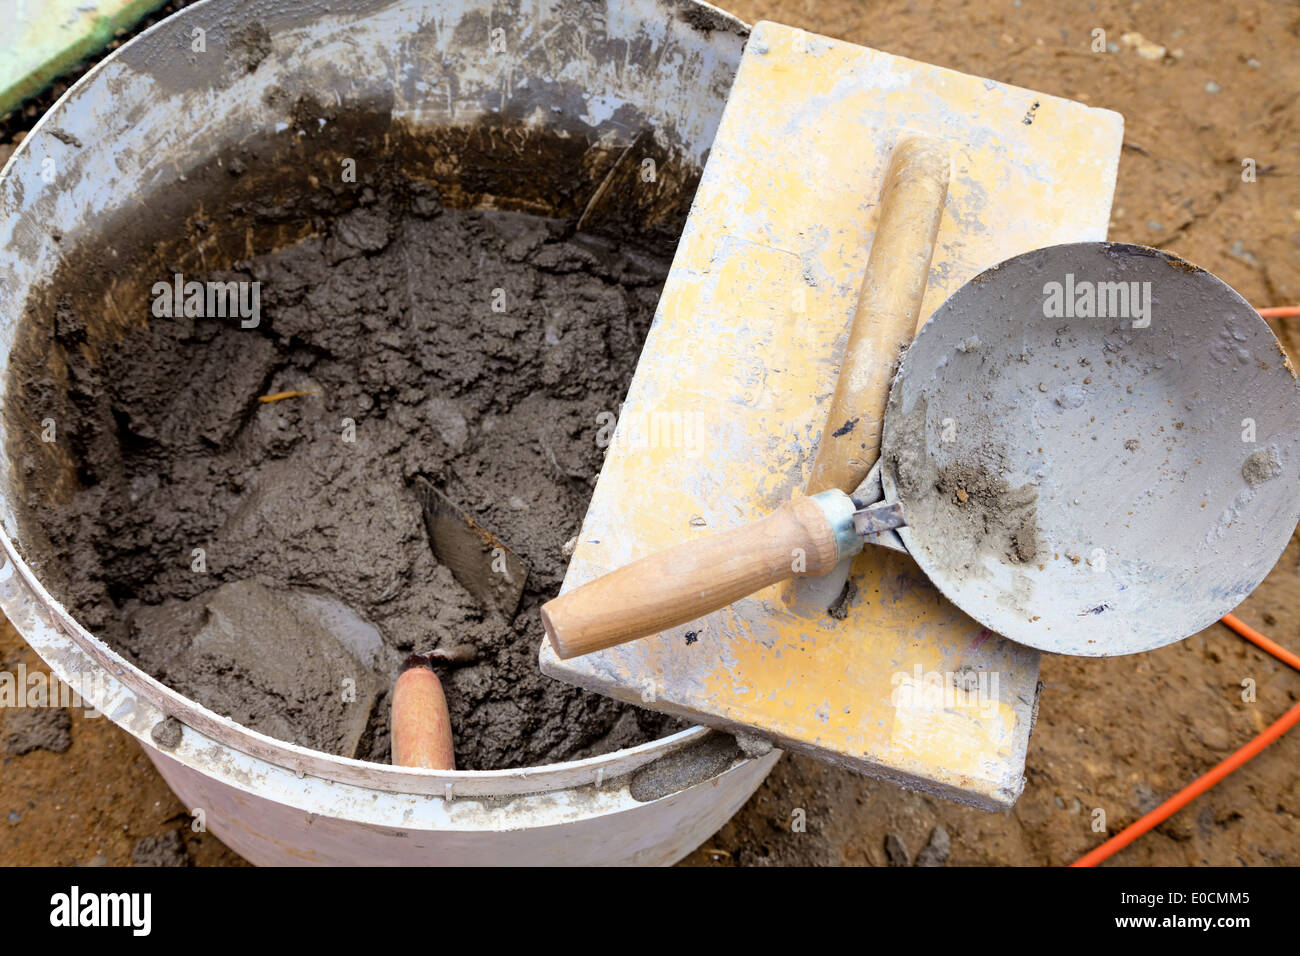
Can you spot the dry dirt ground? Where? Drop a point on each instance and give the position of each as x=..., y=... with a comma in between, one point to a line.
x=1119, y=735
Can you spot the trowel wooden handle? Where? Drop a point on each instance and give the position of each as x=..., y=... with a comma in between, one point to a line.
x=421, y=727
x=693, y=578
x=911, y=204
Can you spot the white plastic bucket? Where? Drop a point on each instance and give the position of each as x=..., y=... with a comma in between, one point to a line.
x=155, y=108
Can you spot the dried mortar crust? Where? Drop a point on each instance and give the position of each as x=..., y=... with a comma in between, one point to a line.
x=965, y=509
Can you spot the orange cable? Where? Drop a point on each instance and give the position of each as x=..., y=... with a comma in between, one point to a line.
x=1280, y=312
x=1203, y=783
x=1258, y=639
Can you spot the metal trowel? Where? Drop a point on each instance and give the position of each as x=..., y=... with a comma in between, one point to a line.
x=477, y=558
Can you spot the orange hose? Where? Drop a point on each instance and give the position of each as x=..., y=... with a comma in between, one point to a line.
x=1280, y=311
x=1258, y=639
x=1198, y=786
x=1189, y=793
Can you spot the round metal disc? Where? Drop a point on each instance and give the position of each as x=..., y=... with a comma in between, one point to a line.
x=1097, y=447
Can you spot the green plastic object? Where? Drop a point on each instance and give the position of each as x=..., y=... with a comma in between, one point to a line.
x=43, y=39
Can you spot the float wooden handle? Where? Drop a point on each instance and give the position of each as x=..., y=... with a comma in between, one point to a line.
x=691, y=579
x=898, y=267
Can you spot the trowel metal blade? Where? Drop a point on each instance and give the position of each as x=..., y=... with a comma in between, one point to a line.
x=477, y=558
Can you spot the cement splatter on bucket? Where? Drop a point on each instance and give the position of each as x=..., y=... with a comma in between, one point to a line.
x=428, y=147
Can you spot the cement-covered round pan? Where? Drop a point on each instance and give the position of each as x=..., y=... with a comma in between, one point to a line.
x=1097, y=448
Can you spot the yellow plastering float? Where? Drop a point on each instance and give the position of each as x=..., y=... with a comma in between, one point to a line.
x=725, y=411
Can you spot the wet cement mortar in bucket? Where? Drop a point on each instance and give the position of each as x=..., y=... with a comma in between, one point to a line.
x=376, y=305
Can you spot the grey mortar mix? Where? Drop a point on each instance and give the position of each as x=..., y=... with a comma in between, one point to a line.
x=385, y=318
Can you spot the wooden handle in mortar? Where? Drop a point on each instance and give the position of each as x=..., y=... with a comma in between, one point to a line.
x=421, y=727
x=911, y=204
x=691, y=579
